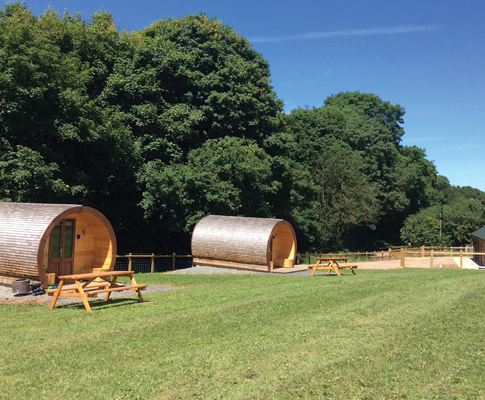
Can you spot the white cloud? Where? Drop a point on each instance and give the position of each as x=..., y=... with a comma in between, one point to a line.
x=345, y=33
x=468, y=145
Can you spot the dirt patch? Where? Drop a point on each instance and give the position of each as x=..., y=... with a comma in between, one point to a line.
x=379, y=264
x=420, y=262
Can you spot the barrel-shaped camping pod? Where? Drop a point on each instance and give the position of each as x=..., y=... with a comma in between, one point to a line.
x=260, y=244
x=60, y=239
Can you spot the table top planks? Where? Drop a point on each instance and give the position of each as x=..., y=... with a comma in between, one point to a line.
x=92, y=275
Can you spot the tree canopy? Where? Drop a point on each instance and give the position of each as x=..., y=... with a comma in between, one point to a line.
x=400, y=176
x=158, y=127
x=463, y=213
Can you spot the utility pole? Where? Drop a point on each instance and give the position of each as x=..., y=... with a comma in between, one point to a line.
x=441, y=221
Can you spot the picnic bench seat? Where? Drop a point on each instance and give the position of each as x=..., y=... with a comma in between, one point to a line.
x=117, y=289
x=90, y=285
x=349, y=266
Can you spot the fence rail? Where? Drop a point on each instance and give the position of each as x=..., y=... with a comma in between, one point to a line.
x=368, y=256
x=427, y=258
x=420, y=256
x=150, y=263
x=383, y=255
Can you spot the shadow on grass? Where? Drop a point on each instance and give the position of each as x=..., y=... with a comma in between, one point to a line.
x=333, y=275
x=101, y=304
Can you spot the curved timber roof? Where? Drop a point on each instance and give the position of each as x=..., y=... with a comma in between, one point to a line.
x=24, y=231
x=241, y=239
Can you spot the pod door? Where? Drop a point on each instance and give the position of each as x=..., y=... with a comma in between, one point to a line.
x=283, y=247
x=61, y=248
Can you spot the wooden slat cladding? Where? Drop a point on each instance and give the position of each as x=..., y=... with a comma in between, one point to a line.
x=24, y=238
x=479, y=247
x=22, y=226
x=248, y=242
x=228, y=264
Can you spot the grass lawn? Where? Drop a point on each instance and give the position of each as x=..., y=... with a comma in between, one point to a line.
x=395, y=334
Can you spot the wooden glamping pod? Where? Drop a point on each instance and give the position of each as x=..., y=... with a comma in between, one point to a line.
x=60, y=239
x=246, y=243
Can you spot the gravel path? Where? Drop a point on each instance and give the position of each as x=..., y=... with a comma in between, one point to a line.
x=202, y=269
x=6, y=295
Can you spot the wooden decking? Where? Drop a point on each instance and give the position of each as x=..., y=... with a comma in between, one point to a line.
x=296, y=268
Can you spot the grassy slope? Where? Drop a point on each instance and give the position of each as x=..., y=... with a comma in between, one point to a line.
x=380, y=334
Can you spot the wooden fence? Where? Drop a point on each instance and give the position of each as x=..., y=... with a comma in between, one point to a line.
x=434, y=257
x=423, y=257
x=150, y=263
x=383, y=255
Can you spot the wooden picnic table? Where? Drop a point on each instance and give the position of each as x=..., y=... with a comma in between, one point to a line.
x=90, y=285
x=333, y=264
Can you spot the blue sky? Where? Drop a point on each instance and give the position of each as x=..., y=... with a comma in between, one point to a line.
x=428, y=56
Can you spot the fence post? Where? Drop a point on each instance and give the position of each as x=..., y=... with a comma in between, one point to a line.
x=298, y=259
x=129, y=262
x=422, y=251
x=366, y=255
x=382, y=255
x=403, y=256
x=173, y=261
x=390, y=253
x=431, y=259
x=152, y=267
x=461, y=258
x=374, y=256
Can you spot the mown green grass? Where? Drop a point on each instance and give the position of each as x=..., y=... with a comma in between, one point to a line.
x=400, y=334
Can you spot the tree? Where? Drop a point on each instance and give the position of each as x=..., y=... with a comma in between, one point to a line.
x=59, y=144
x=402, y=177
x=190, y=80
x=188, y=84
x=25, y=177
x=159, y=127
x=89, y=114
x=226, y=176
x=460, y=219
x=385, y=113
x=347, y=198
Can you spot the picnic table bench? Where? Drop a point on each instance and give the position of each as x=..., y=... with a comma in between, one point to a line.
x=90, y=285
x=333, y=264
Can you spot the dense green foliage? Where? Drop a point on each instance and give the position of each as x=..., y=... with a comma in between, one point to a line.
x=463, y=213
x=388, y=181
x=397, y=334
x=159, y=127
